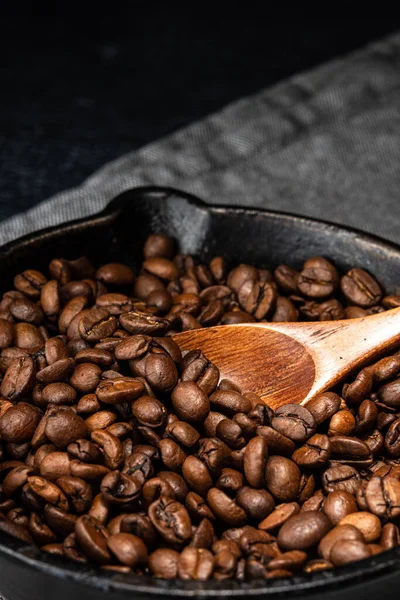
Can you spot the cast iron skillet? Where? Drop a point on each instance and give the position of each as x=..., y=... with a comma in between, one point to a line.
x=241, y=235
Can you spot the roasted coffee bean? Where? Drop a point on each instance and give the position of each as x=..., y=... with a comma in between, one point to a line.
x=230, y=481
x=286, y=278
x=304, y=530
x=323, y=406
x=129, y=549
x=257, y=298
x=277, y=442
x=197, y=507
x=225, y=509
x=230, y=433
x=339, y=504
x=342, y=423
x=117, y=391
x=55, y=465
x=183, y=433
x=19, y=378
x=258, y=504
x=294, y=421
x=115, y=274
x=100, y=420
x=58, y=393
x=50, y=492
x=6, y=333
x=392, y=439
x=230, y=402
x=197, y=475
x=58, y=371
x=315, y=452
x=150, y=412
x=161, y=372
x=144, y=324
x=172, y=455
x=390, y=536
x=389, y=394
x=119, y=488
x=19, y=422
x=64, y=426
x=171, y=519
x=163, y=563
x=282, y=478
x=369, y=524
x=92, y=538
x=349, y=551
x=189, y=402
x=342, y=477
x=317, y=281
x=238, y=276
x=347, y=449
x=361, y=288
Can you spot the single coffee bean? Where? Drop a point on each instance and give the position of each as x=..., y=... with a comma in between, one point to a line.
x=189, y=402
x=225, y=509
x=349, y=551
x=129, y=549
x=390, y=536
x=255, y=459
x=19, y=378
x=171, y=519
x=195, y=564
x=392, y=439
x=163, y=563
x=342, y=423
x=64, y=426
x=19, y=422
x=55, y=465
x=282, y=478
x=369, y=524
x=389, y=394
x=6, y=333
x=58, y=393
x=339, y=504
x=323, y=406
x=138, y=323
x=117, y=391
x=196, y=475
x=115, y=274
x=150, y=412
x=304, y=530
x=230, y=402
x=315, y=452
x=58, y=371
x=183, y=433
x=342, y=477
x=258, y=504
x=294, y=421
x=317, y=281
x=361, y=288
x=92, y=538
x=120, y=489
x=277, y=442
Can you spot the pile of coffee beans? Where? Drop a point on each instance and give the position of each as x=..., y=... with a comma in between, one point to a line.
x=116, y=449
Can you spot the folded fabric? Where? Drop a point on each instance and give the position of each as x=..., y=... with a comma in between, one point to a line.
x=325, y=143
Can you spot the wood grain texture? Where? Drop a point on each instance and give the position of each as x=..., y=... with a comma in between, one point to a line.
x=292, y=362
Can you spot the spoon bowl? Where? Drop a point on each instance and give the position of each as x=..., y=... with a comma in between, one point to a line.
x=292, y=362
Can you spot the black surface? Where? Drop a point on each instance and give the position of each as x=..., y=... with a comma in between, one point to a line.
x=81, y=88
x=118, y=233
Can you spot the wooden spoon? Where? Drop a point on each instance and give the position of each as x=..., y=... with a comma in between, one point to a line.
x=292, y=362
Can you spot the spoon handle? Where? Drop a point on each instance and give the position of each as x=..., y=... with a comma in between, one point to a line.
x=339, y=347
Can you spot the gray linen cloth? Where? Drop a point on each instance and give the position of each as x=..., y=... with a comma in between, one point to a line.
x=325, y=143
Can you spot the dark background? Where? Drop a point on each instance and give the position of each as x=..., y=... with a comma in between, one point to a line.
x=81, y=88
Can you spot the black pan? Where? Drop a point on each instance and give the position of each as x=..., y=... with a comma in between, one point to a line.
x=242, y=235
